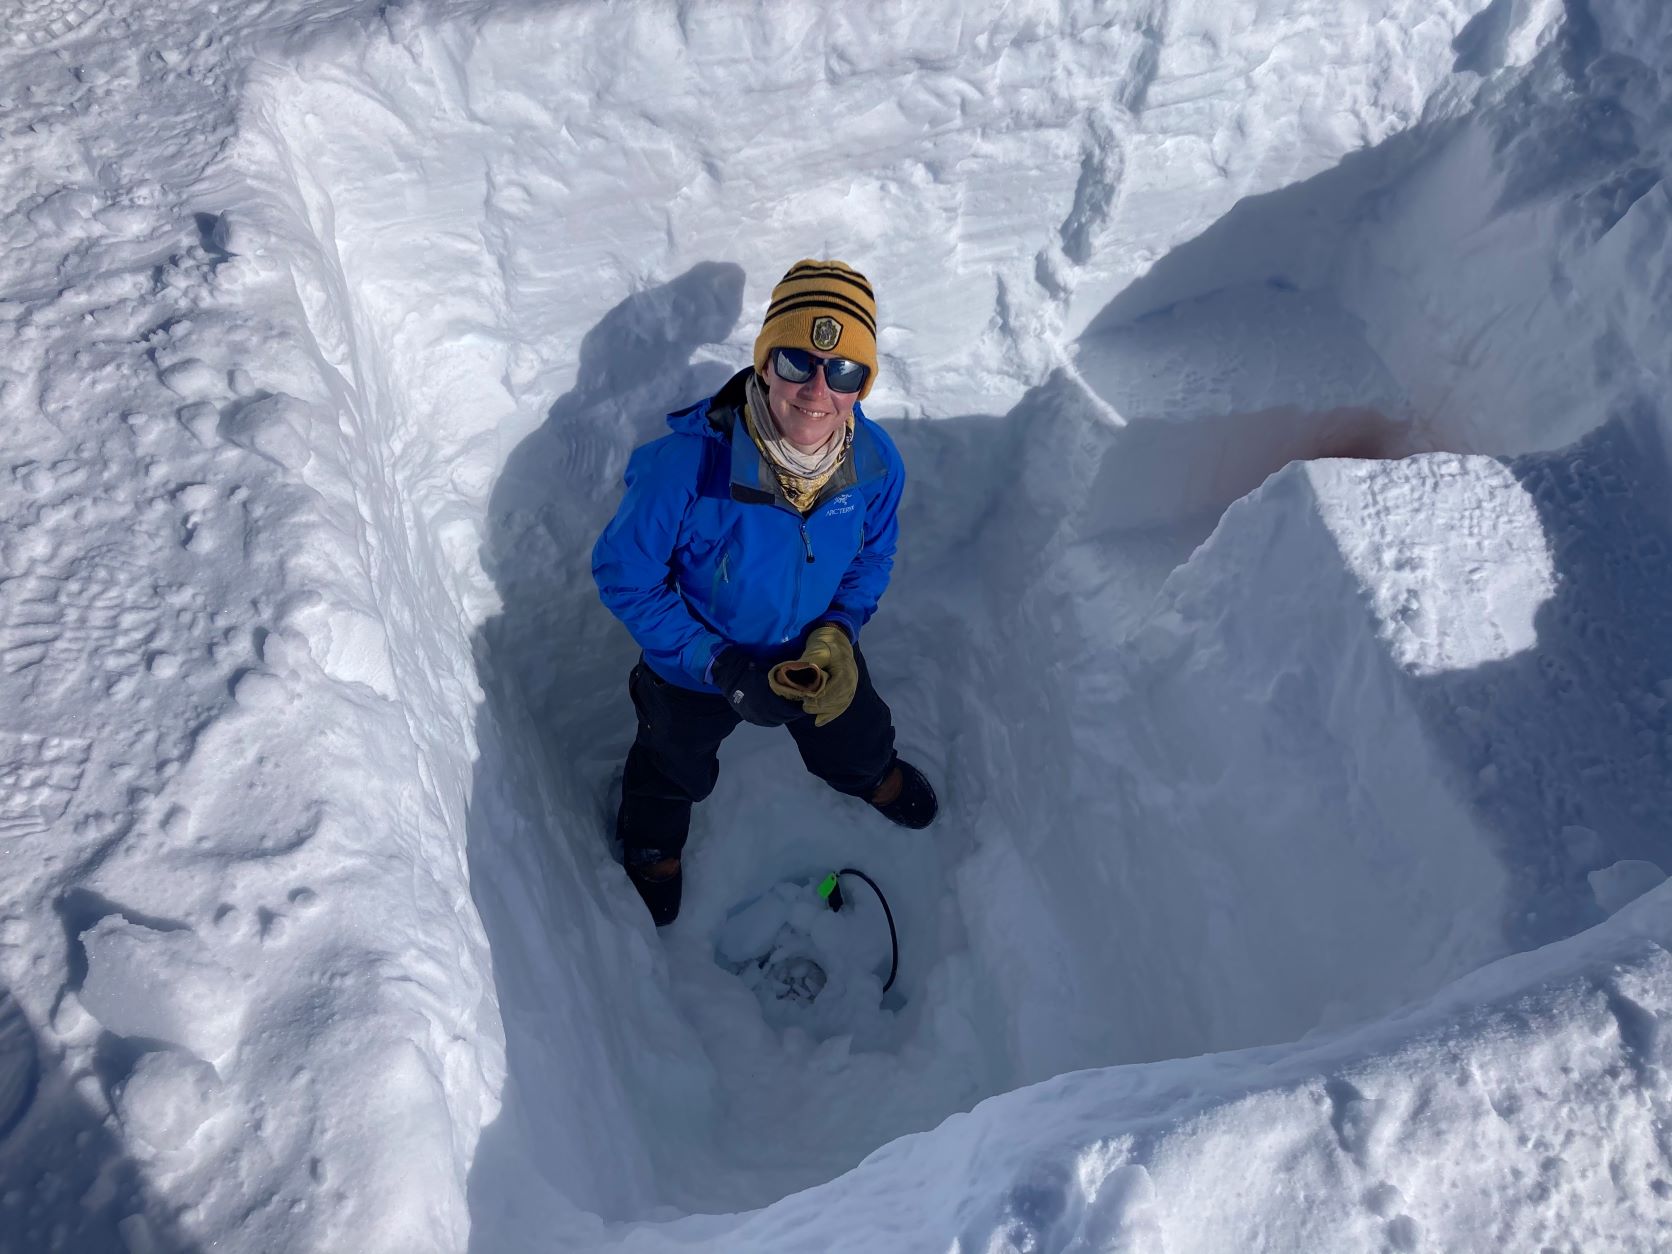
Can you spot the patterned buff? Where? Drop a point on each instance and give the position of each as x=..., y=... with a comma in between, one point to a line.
x=800, y=475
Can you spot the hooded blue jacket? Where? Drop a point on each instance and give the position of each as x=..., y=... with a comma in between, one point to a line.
x=705, y=551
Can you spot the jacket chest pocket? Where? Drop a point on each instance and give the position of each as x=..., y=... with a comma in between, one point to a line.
x=722, y=581
x=847, y=534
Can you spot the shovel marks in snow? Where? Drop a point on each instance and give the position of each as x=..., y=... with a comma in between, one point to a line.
x=35, y=23
x=88, y=622
x=38, y=777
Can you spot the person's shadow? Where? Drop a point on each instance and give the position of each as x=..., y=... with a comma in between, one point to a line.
x=553, y=643
x=553, y=665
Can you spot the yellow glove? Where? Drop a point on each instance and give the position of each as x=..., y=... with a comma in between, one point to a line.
x=824, y=678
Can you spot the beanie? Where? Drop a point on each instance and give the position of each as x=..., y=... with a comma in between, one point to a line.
x=824, y=306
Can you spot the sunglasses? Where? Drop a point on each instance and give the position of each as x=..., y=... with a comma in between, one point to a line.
x=797, y=365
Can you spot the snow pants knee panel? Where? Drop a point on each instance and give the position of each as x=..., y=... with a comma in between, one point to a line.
x=674, y=761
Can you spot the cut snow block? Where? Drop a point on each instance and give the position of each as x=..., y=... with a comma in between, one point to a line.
x=201, y=419
x=275, y=427
x=1450, y=551
x=192, y=380
x=1617, y=886
x=167, y=1097
x=258, y=690
x=1447, y=553
x=233, y=236
x=161, y=986
x=1287, y=651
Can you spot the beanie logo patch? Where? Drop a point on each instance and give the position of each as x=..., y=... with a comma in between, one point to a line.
x=827, y=332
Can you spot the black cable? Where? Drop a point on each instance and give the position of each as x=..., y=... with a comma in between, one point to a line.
x=893, y=936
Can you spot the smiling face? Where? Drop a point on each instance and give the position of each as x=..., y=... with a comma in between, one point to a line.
x=807, y=413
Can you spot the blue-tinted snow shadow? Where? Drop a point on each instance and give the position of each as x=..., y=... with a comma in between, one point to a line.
x=1564, y=752
x=69, y=1182
x=552, y=733
x=554, y=725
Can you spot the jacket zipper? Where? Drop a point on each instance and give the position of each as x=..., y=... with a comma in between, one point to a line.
x=806, y=543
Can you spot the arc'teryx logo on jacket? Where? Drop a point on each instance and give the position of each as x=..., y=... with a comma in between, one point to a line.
x=704, y=550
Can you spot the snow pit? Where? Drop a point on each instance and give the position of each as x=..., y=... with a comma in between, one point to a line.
x=1230, y=747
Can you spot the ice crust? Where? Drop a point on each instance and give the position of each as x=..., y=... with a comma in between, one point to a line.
x=1281, y=612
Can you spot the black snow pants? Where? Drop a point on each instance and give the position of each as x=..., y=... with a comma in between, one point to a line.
x=675, y=760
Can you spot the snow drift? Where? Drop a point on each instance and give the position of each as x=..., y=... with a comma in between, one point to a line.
x=1279, y=610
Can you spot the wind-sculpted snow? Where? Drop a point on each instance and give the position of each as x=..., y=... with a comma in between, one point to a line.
x=1281, y=612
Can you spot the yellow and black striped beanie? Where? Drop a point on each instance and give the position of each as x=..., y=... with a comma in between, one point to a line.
x=824, y=306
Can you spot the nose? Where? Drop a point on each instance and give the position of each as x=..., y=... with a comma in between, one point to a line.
x=814, y=387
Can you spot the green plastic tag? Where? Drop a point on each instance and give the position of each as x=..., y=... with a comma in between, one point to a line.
x=827, y=886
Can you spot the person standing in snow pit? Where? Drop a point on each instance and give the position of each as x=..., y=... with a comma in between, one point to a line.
x=751, y=547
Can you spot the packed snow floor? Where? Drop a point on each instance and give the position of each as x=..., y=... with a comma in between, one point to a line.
x=1284, y=612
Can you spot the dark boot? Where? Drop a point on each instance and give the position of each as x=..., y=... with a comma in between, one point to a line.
x=905, y=797
x=658, y=879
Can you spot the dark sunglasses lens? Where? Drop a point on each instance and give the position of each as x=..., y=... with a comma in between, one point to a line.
x=842, y=375
x=793, y=365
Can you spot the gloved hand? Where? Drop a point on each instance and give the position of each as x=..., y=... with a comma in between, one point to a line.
x=744, y=684
x=829, y=655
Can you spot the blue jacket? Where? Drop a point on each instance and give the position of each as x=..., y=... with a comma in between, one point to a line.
x=706, y=552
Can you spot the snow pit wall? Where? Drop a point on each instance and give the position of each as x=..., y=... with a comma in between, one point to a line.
x=408, y=475
x=433, y=428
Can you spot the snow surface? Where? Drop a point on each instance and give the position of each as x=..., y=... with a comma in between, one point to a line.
x=1283, y=611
